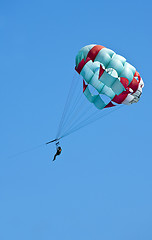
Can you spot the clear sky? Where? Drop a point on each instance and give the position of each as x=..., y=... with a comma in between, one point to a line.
x=101, y=185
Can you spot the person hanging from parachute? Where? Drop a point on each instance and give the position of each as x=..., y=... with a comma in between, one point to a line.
x=58, y=151
x=58, y=148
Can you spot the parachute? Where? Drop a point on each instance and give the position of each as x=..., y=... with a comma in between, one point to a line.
x=110, y=75
x=108, y=81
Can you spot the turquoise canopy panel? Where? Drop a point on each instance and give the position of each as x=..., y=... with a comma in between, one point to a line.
x=96, y=99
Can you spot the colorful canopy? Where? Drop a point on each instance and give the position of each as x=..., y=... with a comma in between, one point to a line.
x=116, y=81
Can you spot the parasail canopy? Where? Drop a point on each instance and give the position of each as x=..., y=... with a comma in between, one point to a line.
x=110, y=74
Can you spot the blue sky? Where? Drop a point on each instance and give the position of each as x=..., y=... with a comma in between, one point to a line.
x=101, y=185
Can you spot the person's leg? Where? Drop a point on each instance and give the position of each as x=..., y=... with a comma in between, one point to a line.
x=54, y=157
